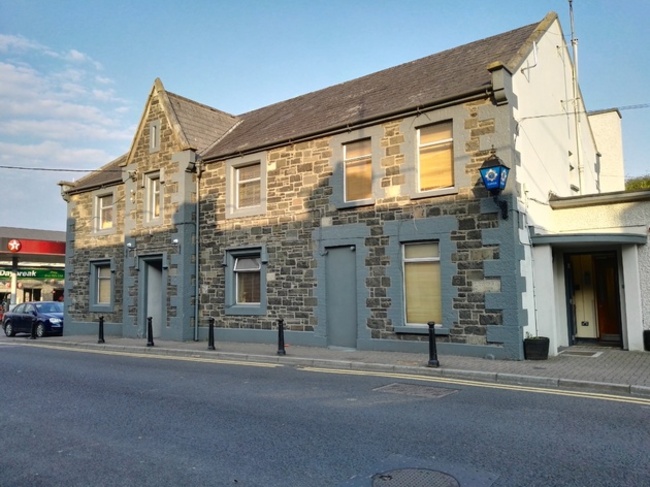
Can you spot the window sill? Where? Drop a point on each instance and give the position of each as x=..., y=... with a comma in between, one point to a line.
x=355, y=204
x=239, y=310
x=434, y=193
x=96, y=308
x=420, y=330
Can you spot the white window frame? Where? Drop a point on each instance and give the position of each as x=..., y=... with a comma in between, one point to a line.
x=416, y=260
x=355, y=161
x=231, y=259
x=232, y=186
x=154, y=197
x=100, y=212
x=437, y=143
x=101, y=272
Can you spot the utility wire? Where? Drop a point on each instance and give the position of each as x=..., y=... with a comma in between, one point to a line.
x=53, y=169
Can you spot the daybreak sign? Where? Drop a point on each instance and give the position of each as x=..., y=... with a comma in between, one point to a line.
x=24, y=273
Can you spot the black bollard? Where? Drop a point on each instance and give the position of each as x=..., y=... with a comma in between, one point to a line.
x=433, y=352
x=101, y=330
x=150, y=332
x=281, y=350
x=32, y=335
x=211, y=334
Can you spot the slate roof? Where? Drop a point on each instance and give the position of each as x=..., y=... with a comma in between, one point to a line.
x=107, y=175
x=201, y=124
x=425, y=82
x=419, y=84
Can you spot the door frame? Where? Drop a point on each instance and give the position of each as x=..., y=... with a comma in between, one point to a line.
x=570, y=293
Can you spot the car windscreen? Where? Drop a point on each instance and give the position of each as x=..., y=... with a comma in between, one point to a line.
x=54, y=307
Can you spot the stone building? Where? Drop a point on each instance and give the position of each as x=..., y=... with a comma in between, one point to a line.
x=357, y=214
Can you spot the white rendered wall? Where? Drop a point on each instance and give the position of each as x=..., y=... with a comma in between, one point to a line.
x=606, y=127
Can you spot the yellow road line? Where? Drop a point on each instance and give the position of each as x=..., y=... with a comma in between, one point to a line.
x=490, y=385
x=159, y=357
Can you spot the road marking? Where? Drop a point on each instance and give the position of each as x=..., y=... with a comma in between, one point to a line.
x=160, y=357
x=540, y=390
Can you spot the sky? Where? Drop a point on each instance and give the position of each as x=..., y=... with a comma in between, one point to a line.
x=75, y=74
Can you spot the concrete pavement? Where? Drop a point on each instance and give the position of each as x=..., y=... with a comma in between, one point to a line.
x=587, y=368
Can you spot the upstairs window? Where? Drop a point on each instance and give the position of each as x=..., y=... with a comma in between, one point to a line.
x=249, y=181
x=435, y=157
x=358, y=170
x=154, y=197
x=422, y=283
x=104, y=212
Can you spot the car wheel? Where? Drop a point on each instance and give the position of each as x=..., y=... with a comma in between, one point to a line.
x=40, y=330
x=9, y=330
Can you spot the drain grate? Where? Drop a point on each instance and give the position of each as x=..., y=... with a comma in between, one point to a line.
x=416, y=390
x=414, y=477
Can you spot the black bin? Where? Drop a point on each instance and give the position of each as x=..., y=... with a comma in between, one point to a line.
x=646, y=340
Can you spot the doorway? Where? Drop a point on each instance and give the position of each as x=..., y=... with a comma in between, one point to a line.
x=153, y=296
x=593, y=298
x=341, y=289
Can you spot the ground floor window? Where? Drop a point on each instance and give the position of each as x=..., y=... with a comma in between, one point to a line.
x=422, y=292
x=246, y=281
x=101, y=285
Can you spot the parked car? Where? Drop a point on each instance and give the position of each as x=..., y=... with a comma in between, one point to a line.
x=46, y=315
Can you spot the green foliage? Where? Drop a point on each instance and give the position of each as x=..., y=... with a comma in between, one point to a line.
x=638, y=183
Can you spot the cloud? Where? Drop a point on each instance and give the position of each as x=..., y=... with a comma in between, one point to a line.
x=56, y=109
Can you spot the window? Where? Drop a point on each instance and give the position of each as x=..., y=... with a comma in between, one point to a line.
x=101, y=285
x=154, y=197
x=435, y=157
x=358, y=170
x=104, y=212
x=154, y=136
x=246, y=281
x=422, y=291
x=248, y=185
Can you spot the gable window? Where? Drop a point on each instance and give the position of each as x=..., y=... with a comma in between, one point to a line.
x=422, y=283
x=154, y=197
x=358, y=170
x=246, y=281
x=248, y=185
x=102, y=285
x=104, y=212
x=435, y=157
x=154, y=136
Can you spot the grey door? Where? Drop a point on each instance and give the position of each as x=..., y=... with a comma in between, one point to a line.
x=154, y=294
x=341, y=289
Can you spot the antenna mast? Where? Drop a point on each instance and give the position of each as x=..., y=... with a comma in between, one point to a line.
x=576, y=100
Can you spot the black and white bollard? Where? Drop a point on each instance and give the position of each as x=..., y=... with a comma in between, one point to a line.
x=100, y=339
x=211, y=334
x=281, y=350
x=433, y=352
x=150, y=332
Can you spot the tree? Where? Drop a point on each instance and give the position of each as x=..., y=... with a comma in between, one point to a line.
x=638, y=183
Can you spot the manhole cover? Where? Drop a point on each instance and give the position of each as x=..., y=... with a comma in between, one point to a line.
x=414, y=477
x=415, y=390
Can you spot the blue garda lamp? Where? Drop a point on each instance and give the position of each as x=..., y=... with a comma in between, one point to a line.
x=494, y=174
